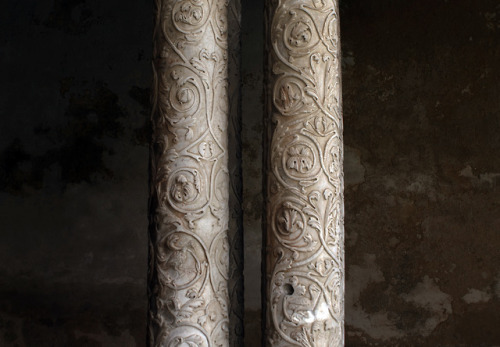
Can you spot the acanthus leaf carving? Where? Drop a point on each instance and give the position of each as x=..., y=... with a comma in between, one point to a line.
x=304, y=236
x=189, y=280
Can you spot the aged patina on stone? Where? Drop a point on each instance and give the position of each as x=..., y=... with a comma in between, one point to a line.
x=192, y=275
x=304, y=231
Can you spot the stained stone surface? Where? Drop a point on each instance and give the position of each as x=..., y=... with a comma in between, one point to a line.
x=422, y=119
x=421, y=133
x=74, y=102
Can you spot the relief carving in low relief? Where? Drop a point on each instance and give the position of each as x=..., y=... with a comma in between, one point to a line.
x=305, y=236
x=191, y=275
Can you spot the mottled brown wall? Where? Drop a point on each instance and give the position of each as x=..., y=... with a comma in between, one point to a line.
x=422, y=130
x=421, y=84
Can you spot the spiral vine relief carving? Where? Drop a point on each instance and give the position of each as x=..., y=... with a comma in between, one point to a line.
x=304, y=232
x=194, y=263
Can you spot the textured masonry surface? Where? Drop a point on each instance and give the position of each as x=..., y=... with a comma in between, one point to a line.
x=421, y=133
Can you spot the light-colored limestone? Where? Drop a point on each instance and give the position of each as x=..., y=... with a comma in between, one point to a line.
x=191, y=272
x=305, y=234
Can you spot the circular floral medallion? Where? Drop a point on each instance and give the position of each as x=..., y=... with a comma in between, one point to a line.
x=299, y=158
x=289, y=95
x=289, y=222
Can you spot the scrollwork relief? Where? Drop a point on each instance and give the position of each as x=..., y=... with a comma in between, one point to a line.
x=304, y=233
x=191, y=267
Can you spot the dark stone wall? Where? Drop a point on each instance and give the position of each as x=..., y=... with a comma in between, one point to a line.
x=421, y=84
x=74, y=99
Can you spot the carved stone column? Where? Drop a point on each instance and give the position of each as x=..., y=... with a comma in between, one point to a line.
x=189, y=260
x=304, y=231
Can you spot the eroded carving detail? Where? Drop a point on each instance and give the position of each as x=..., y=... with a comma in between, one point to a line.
x=305, y=237
x=190, y=269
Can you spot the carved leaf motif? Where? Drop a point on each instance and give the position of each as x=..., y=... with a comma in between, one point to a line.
x=191, y=71
x=199, y=65
x=314, y=223
x=306, y=169
x=190, y=307
x=171, y=155
x=291, y=221
x=186, y=310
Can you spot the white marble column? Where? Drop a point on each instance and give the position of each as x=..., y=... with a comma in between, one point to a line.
x=190, y=242
x=304, y=282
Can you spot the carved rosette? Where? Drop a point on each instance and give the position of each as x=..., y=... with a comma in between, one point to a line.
x=190, y=241
x=304, y=231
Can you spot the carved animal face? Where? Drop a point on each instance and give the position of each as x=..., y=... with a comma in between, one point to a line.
x=300, y=35
x=189, y=14
x=183, y=190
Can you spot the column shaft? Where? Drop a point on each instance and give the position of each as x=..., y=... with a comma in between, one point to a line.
x=304, y=282
x=189, y=262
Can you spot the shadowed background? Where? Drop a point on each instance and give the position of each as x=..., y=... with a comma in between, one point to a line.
x=422, y=167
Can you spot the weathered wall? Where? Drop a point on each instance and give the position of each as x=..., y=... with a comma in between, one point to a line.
x=422, y=130
x=75, y=79
x=422, y=135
